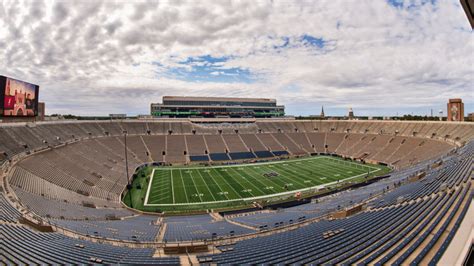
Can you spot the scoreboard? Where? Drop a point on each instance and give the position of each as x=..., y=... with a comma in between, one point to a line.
x=18, y=98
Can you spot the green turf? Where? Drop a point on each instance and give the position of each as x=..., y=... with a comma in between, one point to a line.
x=194, y=188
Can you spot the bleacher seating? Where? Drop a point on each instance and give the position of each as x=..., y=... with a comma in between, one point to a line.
x=219, y=157
x=139, y=228
x=263, y=154
x=7, y=212
x=280, y=153
x=199, y=158
x=241, y=155
x=200, y=227
x=75, y=184
x=28, y=247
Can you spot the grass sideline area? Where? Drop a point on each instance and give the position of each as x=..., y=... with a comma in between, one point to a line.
x=197, y=188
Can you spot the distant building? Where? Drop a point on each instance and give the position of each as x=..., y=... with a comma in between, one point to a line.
x=117, y=116
x=350, y=115
x=177, y=106
x=144, y=117
x=470, y=117
x=41, y=111
x=455, y=110
x=322, y=112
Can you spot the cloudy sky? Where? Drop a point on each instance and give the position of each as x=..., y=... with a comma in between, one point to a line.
x=379, y=57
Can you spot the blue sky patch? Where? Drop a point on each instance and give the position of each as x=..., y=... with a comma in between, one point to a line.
x=401, y=4
x=309, y=40
x=209, y=69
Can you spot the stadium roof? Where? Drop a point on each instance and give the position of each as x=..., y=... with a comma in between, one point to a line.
x=223, y=99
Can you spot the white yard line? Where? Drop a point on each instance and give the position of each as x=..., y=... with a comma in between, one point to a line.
x=172, y=185
x=195, y=186
x=149, y=187
x=184, y=188
x=208, y=189
x=236, y=193
x=217, y=183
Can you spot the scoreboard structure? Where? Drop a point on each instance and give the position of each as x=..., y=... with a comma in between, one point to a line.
x=18, y=98
x=455, y=110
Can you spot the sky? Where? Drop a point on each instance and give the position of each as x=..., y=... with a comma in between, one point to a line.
x=380, y=57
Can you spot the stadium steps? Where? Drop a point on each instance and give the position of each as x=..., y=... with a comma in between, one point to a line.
x=297, y=144
x=309, y=141
x=383, y=246
x=404, y=245
x=416, y=249
x=225, y=144
x=388, y=158
x=205, y=144
x=187, y=158
x=278, y=142
x=188, y=259
x=241, y=224
x=150, y=159
x=216, y=216
x=161, y=233
x=263, y=144
x=341, y=143
x=451, y=225
x=243, y=143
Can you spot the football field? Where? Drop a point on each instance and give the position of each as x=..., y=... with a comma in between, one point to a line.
x=178, y=186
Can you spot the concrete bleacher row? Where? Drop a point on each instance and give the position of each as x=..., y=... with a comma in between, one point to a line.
x=7, y=212
x=62, y=183
x=15, y=139
x=139, y=228
x=45, y=207
x=200, y=227
x=402, y=151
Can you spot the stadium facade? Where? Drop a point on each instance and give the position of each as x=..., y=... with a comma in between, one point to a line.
x=185, y=106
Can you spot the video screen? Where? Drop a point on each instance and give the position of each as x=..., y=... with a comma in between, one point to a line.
x=19, y=98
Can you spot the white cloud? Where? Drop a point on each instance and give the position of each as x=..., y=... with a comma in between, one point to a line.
x=93, y=57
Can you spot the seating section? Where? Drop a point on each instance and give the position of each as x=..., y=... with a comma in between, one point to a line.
x=343, y=241
x=156, y=146
x=175, y=149
x=27, y=247
x=241, y=155
x=139, y=228
x=196, y=145
x=63, y=210
x=409, y=229
x=200, y=227
x=77, y=171
x=199, y=158
x=280, y=153
x=7, y=212
x=263, y=154
x=219, y=156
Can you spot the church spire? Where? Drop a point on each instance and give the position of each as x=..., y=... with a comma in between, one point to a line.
x=322, y=111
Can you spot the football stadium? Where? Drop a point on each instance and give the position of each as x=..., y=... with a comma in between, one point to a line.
x=211, y=180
